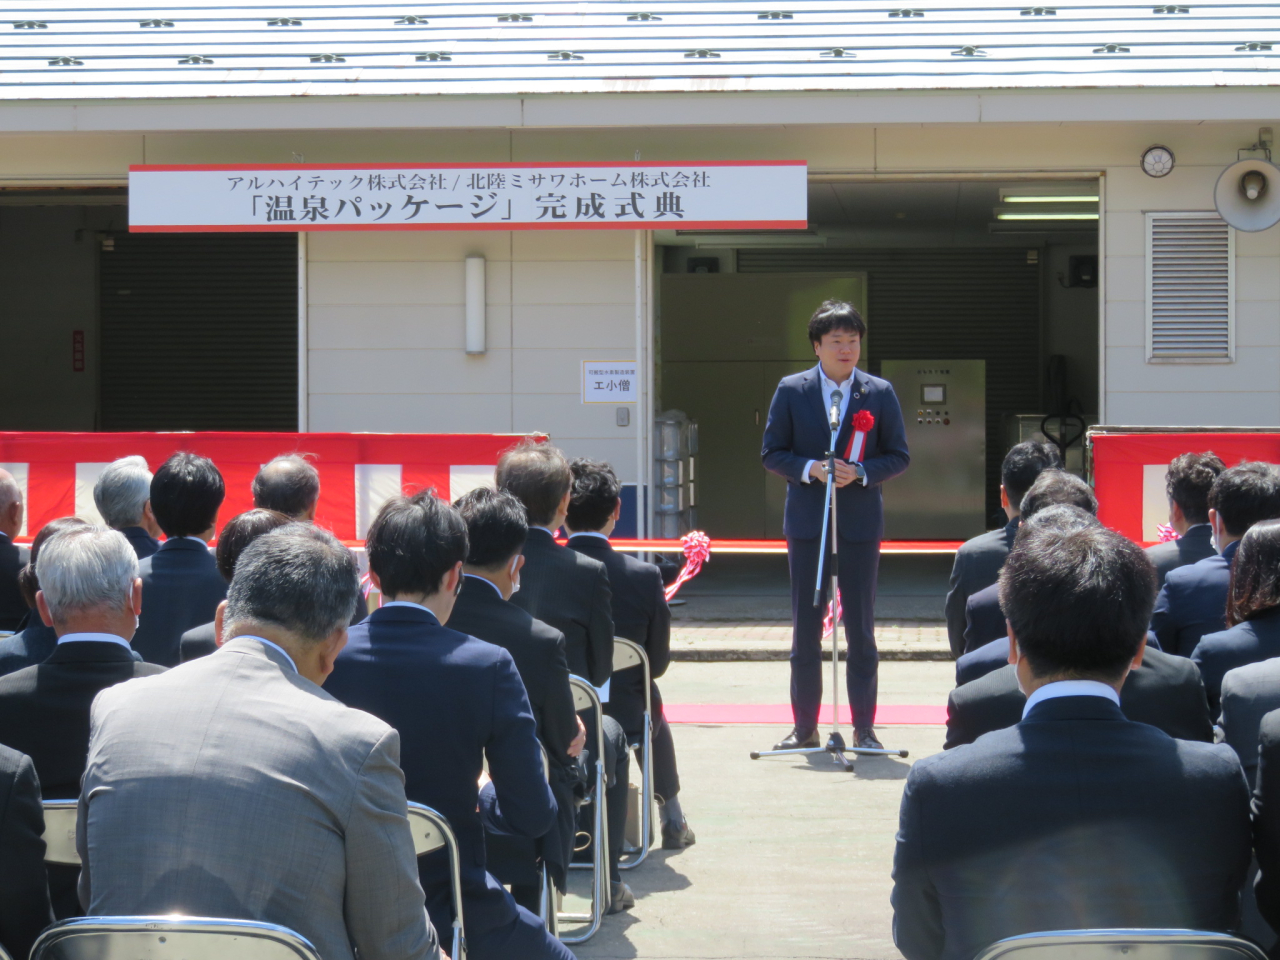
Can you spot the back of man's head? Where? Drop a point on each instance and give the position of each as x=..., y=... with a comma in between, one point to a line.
x=298, y=579
x=496, y=527
x=1023, y=464
x=1057, y=518
x=596, y=492
x=289, y=484
x=1244, y=494
x=538, y=476
x=240, y=531
x=1057, y=486
x=121, y=492
x=1078, y=602
x=186, y=493
x=86, y=569
x=10, y=504
x=1188, y=482
x=413, y=542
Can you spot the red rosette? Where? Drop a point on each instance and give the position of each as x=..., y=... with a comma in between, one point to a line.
x=863, y=421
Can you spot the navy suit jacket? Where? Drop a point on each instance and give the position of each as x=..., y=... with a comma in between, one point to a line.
x=13, y=607
x=1193, y=546
x=143, y=543
x=1006, y=835
x=977, y=565
x=1245, y=643
x=24, y=889
x=181, y=589
x=797, y=432
x=983, y=619
x=994, y=655
x=1193, y=602
x=33, y=645
x=456, y=702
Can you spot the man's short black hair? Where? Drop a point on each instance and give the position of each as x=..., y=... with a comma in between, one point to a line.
x=1058, y=518
x=289, y=484
x=1188, y=482
x=496, y=526
x=1245, y=494
x=1078, y=602
x=1023, y=464
x=537, y=474
x=413, y=542
x=186, y=493
x=240, y=531
x=596, y=492
x=1058, y=486
x=835, y=315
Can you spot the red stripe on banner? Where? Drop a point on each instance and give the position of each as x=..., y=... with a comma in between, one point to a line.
x=51, y=491
x=541, y=165
x=780, y=713
x=295, y=227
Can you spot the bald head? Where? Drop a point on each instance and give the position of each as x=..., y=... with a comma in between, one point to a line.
x=290, y=485
x=10, y=505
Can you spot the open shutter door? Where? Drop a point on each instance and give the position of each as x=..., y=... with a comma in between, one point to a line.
x=1190, y=287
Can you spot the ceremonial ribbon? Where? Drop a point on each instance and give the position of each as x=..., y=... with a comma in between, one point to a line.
x=697, y=550
x=1166, y=533
x=827, y=623
x=863, y=421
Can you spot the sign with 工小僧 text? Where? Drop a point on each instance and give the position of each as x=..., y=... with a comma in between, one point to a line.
x=608, y=381
x=713, y=195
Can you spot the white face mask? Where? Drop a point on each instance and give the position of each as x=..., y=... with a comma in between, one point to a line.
x=515, y=583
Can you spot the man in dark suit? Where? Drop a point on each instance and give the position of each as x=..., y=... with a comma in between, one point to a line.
x=90, y=595
x=496, y=530
x=983, y=620
x=24, y=889
x=1046, y=825
x=1266, y=820
x=1187, y=484
x=559, y=586
x=1193, y=600
x=1249, y=693
x=640, y=614
x=35, y=641
x=288, y=484
x=978, y=561
x=796, y=437
x=181, y=586
x=13, y=609
x=123, y=498
x=456, y=702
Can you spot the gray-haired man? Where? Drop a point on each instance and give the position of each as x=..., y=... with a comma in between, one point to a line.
x=236, y=787
x=123, y=498
x=12, y=557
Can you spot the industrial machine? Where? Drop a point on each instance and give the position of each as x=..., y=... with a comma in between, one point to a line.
x=942, y=495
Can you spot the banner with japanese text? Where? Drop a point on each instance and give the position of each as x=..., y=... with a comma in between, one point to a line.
x=712, y=195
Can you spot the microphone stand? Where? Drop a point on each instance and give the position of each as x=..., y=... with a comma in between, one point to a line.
x=835, y=744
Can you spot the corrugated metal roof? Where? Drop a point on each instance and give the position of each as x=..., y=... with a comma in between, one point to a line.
x=53, y=49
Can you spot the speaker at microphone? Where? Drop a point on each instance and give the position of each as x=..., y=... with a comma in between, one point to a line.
x=1247, y=195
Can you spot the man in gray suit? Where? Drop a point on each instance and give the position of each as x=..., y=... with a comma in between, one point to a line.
x=1249, y=693
x=236, y=787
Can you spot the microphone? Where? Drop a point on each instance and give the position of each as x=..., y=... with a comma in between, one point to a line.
x=833, y=415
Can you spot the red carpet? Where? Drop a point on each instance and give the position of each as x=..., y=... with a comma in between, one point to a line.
x=780, y=713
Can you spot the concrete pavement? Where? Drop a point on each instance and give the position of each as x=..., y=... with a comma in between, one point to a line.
x=762, y=640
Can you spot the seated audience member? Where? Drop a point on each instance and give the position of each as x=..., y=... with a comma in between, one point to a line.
x=289, y=484
x=1253, y=611
x=1165, y=691
x=559, y=586
x=181, y=586
x=35, y=641
x=496, y=530
x=1193, y=601
x=978, y=561
x=240, y=531
x=983, y=620
x=1047, y=825
x=12, y=557
x=457, y=701
x=1266, y=820
x=1187, y=484
x=235, y=787
x=640, y=614
x=1249, y=693
x=90, y=595
x=24, y=889
x=123, y=498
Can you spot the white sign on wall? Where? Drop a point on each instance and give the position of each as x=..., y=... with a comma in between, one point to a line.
x=608, y=381
x=754, y=195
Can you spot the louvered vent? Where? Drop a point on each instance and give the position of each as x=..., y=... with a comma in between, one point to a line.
x=1190, y=287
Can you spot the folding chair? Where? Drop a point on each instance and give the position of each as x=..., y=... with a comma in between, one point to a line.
x=626, y=654
x=548, y=902
x=60, y=832
x=1131, y=944
x=170, y=938
x=585, y=698
x=431, y=831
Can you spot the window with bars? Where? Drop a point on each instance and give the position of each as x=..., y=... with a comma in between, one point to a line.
x=1190, y=288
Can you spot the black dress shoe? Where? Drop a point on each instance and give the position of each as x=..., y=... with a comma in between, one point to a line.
x=795, y=740
x=866, y=739
x=677, y=838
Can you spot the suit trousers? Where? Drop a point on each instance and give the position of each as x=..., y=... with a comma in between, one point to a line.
x=858, y=569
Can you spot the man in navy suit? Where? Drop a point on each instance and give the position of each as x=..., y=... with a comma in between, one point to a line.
x=796, y=438
x=457, y=702
x=1193, y=601
x=1187, y=484
x=1047, y=825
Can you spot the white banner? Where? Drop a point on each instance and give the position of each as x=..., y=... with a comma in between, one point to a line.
x=716, y=195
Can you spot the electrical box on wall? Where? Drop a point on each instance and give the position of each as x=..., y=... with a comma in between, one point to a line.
x=1082, y=271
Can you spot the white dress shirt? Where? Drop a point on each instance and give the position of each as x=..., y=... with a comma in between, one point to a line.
x=589, y=533
x=472, y=576
x=1071, y=688
x=94, y=638
x=250, y=636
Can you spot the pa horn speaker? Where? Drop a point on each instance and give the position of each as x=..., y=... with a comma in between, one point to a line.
x=1248, y=195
